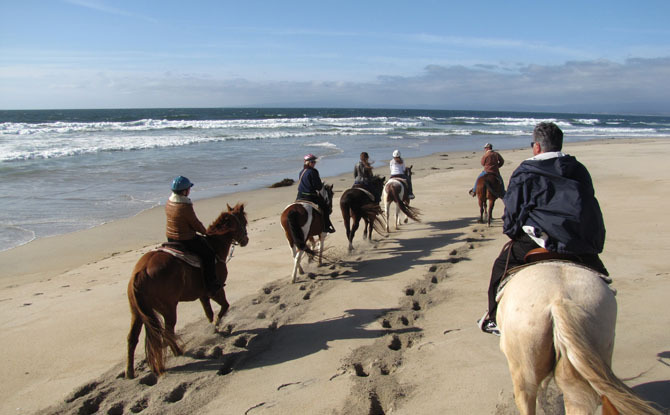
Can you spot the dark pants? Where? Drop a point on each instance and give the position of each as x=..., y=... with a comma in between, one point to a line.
x=512, y=256
x=199, y=246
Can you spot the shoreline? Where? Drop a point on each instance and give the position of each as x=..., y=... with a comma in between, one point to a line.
x=65, y=315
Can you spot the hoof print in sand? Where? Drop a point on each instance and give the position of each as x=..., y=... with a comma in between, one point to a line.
x=386, y=324
x=84, y=390
x=395, y=343
x=311, y=275
x=409, y=291
x=241, y=341
x=358, y=368
x=140, y=406
x=116, y=409
x=177, y=393
x=149, y=380
x=307, y=296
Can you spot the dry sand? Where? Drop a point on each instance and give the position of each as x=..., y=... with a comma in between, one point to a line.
x=389, y=328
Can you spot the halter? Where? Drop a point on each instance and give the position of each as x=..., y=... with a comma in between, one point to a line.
x=234, y=241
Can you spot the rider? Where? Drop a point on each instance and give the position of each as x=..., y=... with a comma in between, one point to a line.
x=363, y=172
x=551, y=204
x=309, y=183
x=492, y=162
x=183, y=226
x=398, y=169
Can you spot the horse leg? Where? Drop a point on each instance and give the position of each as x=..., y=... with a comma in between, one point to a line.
x=356, y=222
x=397, y=216
x=578, y=396
x=388, y=207
x=221, y=299
x=207, y=307
x=406, y=218
x=322, y=239
x=170, y=317
x=296, y=263
x=346, y=215
x=133, y=338
x=490, y=213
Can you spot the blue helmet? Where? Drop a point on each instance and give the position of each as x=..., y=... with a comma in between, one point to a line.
x=181, y=183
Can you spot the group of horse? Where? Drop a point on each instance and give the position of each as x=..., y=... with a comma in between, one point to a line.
x=555, y=318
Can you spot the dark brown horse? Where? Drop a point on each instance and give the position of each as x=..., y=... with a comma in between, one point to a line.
x=396, y=190
x=160, y=281
x=358, y=203
x=304, y=223
x=489, y=187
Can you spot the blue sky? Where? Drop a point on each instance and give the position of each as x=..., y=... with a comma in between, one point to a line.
x=568, y=56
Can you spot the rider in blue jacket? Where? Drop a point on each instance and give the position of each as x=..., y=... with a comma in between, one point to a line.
x=309, y=183
x=550, y=203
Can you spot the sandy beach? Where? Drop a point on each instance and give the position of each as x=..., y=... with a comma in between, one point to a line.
x=389, y=328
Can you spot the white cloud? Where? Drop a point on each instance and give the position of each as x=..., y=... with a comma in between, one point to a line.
x=634, y=86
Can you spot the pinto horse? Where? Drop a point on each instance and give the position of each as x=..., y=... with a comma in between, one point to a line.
x=395, y=190
x=489, y=188
x=159, y=281
x=357, y=203
x=303, y=223
x=558, y=318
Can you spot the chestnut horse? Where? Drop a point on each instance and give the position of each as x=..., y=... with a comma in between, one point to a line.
x=558, y=318
x=395, y=190
x=295, y=221
x=356, y=204
x=489, y=188
x=159, y=281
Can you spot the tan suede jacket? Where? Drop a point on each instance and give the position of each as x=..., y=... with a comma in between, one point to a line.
x=182, y=224
x=492, y=162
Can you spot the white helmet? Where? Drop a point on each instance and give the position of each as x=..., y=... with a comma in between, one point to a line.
x=396, y=153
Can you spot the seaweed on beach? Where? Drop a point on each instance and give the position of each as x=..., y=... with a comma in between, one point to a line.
x=283, y=183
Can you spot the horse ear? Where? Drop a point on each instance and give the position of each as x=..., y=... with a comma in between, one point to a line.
x=229, y=208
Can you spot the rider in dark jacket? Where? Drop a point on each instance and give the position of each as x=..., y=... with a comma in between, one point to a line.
x=309, y=183
x=550, y=203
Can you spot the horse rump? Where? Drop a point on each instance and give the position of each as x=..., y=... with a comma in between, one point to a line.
x=293, y=219
x=156, y=336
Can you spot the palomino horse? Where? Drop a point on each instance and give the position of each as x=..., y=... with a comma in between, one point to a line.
x=160, y=281
x=304, y=223
x=395, y=190
x=488, y=187
x=558, y=318
x=357, y=203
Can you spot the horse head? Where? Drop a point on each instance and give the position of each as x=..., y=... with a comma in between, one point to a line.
x=408, y=171
x=377, y=185
x=326, y=193
x=234, y=220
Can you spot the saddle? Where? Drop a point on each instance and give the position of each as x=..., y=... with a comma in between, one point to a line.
x=179, y=251
x=307, y=203
x=364, y=190
x=399, y=179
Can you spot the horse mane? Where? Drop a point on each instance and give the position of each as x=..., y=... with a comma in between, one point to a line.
x=221, y=224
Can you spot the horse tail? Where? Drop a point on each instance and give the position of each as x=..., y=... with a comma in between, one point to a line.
x=156, y=337
x=374, y=212
x=571, y=342
x=411, y=212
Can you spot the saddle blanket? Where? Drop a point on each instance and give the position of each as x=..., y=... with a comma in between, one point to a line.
x=188, y=257
x=397, y=179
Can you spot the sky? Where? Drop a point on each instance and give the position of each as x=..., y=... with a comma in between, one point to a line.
x=562, y=56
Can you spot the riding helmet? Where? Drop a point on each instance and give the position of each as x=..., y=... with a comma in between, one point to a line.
x=396, y=153
x=310, y=157
x=181, y=183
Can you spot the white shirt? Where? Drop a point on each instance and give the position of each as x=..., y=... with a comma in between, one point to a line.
x=396, y=168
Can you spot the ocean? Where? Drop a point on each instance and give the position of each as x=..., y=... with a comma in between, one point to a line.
x=67, y=170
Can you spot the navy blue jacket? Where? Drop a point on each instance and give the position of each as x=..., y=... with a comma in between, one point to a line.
x=310, y=183
x=555, y=196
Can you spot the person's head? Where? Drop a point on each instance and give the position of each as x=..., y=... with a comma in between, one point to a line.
x=310, y=160
x=181, y=185
x=364, y=156
x=488, y=146
x=547, y=137
x=396, y=154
